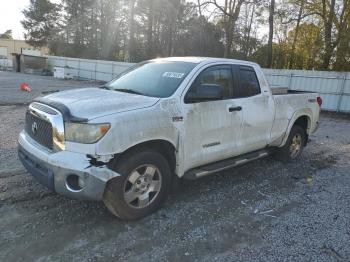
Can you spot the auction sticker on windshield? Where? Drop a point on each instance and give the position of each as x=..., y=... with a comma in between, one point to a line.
x=173, y=74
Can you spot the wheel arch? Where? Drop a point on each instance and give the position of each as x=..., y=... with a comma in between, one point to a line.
x=301, y=118
x=164, y=147
x=304, y=121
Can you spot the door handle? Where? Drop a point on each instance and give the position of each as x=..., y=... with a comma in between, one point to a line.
x=237, y=108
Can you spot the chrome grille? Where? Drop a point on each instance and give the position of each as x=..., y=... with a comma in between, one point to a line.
x=39, y=129
x=43, y=108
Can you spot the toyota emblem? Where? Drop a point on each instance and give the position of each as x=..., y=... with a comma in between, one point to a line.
x=34, y=127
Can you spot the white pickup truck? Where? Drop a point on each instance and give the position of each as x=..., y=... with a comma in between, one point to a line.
x=126, y=142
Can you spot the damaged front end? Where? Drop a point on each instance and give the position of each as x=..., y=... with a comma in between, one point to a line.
x=44, y=151
x=68, y=173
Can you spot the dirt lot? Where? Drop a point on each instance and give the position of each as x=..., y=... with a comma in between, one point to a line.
x=263, y=211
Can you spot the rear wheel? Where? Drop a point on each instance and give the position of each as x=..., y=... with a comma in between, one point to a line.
x=143, y=186
x=294, y=145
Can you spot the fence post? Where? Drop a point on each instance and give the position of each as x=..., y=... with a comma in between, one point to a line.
x=341, y=93
x=290, y=80
x=112, y=76
x=79, y=69
x=95, y=70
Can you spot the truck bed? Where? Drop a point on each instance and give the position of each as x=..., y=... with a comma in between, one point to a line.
x=277, y=92
x=283, y=90
x=286, y=104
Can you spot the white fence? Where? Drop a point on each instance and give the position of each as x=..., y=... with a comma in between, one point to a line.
x=334, y=87
x=89, y=69
x=5, y=63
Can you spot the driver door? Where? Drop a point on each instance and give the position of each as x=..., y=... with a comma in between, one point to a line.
x=212, y=128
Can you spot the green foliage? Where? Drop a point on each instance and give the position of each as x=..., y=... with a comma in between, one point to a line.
x=200, y=38
x=6, y=35
x=308, y=48
x=311, y=34
x=41, y=22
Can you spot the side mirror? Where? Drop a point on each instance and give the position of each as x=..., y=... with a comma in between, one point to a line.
x=205, y=92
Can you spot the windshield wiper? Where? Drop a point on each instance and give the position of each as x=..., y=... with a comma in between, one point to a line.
x=104, y=87
x=129, y=91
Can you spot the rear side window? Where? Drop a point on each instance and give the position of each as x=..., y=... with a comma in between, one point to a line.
x=249, y=84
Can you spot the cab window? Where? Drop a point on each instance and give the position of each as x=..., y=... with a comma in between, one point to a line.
x=249, y=84
x=215, y=75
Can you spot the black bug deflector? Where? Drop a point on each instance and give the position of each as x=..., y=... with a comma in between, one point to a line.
x=67, y=116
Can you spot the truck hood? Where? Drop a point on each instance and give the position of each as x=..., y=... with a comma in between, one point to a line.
x=90, y=103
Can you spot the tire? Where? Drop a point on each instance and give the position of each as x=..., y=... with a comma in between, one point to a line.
x=143, y=186
x=294, y=145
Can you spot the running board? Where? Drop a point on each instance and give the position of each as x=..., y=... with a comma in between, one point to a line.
x=209, y=169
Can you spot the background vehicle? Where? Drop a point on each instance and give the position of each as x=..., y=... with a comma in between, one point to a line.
x=125, y=143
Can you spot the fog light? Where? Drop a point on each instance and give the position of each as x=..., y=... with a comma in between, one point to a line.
x=74, y=183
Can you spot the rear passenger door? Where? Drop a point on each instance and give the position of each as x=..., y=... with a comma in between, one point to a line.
x=256, y=109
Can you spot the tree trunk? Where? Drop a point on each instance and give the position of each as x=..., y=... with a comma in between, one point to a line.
x=230, y=13
x=170, y=41
x=229, y=38
x=343, y=51
x=150, y=17
x=131, y=43
x=199, y=7
x=292, y=56
x=247, y=48
x=269, y=45
x=328, y=25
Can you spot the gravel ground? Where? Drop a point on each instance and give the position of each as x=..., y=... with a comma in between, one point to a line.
x=263, y=211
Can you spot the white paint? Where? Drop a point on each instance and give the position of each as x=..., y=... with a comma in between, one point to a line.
x=134, y=119
x=208, y=131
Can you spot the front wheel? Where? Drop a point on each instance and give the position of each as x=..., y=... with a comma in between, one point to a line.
x=294, y=145
x=143, y=186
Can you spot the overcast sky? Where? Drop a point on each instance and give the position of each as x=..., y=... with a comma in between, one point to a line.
x=11, y=15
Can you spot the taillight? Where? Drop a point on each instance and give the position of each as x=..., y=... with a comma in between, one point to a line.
x=319, y=100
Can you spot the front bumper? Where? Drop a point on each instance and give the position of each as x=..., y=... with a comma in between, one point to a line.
x=52, y=169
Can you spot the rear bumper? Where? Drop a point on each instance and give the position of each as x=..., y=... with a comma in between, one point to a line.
x=52, y=170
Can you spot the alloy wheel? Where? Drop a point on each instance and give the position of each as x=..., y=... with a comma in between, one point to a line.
x=142, y=186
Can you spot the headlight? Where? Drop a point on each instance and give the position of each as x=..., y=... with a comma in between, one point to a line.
x=85, y=133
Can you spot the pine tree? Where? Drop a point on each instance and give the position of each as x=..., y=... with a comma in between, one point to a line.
x=41, y=22
x=6, y=35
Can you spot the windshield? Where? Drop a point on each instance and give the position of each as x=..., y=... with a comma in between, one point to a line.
x=157, y=79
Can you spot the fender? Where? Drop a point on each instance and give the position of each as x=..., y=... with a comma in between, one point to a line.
x=301, y=112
